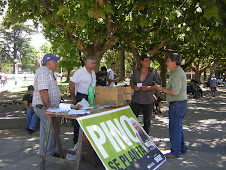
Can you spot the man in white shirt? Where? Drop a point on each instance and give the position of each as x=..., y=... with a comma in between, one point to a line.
x=213, y=85
x=79, y=84
x=111, y=72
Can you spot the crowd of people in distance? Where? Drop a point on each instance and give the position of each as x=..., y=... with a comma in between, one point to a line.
x=195, y=89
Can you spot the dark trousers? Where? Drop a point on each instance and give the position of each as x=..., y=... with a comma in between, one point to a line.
x=147, y=110
x=78, y=97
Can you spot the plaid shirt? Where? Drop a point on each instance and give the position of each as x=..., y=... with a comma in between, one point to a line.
x=45, y=79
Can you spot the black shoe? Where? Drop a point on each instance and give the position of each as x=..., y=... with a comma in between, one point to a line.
x=30, y=131
x=56, y=155
x=27, y=129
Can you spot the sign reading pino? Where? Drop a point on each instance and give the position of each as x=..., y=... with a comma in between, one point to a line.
x=119, y=140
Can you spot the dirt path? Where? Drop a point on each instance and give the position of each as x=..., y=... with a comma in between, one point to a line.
x=11, y=104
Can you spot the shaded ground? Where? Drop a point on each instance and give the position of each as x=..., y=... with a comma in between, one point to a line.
x=11, y=103
x=204, y=127
x=11, y=97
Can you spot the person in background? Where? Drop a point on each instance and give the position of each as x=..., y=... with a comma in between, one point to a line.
x=46, y=96
x=143, y=82
x=102, y=77
x=2, y=79
x=213, y=85
x=111, y=73
x=208, y=83
x=78, y=87
x=176, y=95
x=198, y=89
x=157, y=104
x=32, y=118
x=6, y=79
x=192, y=88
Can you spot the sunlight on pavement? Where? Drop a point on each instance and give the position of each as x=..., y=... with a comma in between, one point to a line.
x=212, y=121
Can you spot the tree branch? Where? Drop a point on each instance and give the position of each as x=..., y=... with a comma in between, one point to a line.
x=188, y=63
x=135, y=53
x=111, y=42
x=157, y=48
x=46, y=6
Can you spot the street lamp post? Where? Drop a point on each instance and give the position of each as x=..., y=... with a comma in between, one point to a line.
x=16, y=70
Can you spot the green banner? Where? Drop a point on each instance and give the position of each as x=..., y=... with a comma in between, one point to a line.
x=120, y=141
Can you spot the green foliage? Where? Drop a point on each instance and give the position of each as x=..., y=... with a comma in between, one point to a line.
x=114, y=56
x=15, y=44
x=68, y=52
x=192, y=28
x=46, y=48
x=2, y=6
x=6, y=67
x=64, y=89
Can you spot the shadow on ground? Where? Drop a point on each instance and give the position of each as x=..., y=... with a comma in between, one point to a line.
x=204, y=127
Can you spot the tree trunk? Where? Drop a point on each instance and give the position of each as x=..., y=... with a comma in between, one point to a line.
x=122, y=65
x=14, y=51
x=98, y=59
x=136, y=55
x=198, y=76
x=211, y=72
x=163, y=68
x=204, y=76
x=97, y=50
x=0, y=62
x=68, y=74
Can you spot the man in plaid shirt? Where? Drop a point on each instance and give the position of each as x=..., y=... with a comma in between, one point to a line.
x=46, y=96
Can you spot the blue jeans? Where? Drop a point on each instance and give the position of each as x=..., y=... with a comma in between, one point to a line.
x=32, y=118
x=177, y=111
x=43, y=126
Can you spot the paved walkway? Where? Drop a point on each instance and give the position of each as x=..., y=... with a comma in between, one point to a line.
x=204, y=125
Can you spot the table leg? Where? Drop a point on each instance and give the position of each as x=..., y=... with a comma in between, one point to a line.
x=79, y=149
x=42, y=166
x=56, y=133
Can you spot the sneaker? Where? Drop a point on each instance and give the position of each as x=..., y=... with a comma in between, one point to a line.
x=170, y=155
x=30, y=131
x=75, y=147
x=56, y=155
x=160, y=112
x=70, y=156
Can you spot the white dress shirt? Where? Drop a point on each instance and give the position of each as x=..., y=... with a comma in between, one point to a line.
x=82, y=79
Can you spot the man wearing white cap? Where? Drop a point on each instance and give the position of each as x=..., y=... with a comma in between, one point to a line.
x=46, y=95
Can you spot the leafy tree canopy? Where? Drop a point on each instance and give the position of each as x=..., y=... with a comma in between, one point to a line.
x=15, y=44
x=95, y=26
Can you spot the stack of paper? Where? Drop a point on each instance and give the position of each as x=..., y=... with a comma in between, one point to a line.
x=78, y=112
x=64, y=107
